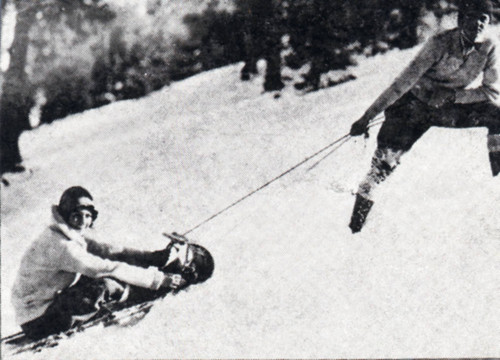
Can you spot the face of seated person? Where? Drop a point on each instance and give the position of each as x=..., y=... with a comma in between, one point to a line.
x=81, y=218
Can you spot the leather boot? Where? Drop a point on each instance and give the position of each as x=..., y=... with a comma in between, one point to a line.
x=495, y=162
x=361, y=209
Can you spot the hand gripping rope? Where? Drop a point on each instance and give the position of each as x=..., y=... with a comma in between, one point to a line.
x=335, y=145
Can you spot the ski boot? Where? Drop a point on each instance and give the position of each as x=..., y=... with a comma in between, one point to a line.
x=494, y=152
x=361, y=209
x=495, y=162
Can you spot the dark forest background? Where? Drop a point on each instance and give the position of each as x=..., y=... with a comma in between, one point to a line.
x=67, y=56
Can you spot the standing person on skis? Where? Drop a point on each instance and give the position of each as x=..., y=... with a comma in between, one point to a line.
x=433, y=91
x=65, y=276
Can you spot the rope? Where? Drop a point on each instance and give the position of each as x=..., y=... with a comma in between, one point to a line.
x=375, y=122
x=328, y=154
x=342, y=139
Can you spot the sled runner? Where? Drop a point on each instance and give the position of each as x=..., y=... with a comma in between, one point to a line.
x=113, y=314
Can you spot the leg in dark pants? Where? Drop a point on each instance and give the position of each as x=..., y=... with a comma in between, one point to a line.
x=405, y=122
x=484, y=114
x=78, y=302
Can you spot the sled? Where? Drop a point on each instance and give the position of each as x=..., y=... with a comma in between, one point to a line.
x=128, y=313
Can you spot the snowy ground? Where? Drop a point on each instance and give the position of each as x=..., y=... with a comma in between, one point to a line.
x=291, y=281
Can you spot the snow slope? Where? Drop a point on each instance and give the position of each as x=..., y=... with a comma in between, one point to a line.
x=291, y=281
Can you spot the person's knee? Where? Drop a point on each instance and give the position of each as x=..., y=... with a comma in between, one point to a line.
x=488, y=114
x=103, y=290
x=87, y=296
x=384, y=161
x=114, y=289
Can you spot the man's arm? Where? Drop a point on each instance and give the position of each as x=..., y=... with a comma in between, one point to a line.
x=489, y=89
x=428, y=55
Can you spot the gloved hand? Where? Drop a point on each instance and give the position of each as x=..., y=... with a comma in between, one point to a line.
x=115, y=290
x=441, y=97
x=360, y=127
x=173, y=281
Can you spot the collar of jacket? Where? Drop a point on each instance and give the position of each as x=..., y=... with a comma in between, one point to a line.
x=467, y=50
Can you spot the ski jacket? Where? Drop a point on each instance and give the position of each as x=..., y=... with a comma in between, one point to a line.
x=444, y=62
x=55, y=260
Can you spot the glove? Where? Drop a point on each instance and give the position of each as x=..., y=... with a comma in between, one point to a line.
x=360, y=127
x=441, y=97
x=173, y=281
x=115, y=290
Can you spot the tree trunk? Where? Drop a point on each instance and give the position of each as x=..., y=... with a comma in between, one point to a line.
x=16, y=98
x=272, y=80
x=272, y=49
x=250, y=58
x=252, y=27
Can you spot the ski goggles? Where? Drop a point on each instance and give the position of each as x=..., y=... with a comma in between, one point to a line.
x=89, y=208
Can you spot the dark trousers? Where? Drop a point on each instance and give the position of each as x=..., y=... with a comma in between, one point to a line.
x=79, y=303
x=409, y=118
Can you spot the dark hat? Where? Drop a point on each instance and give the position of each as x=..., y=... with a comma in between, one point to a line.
x=70, y=202
x=475, y=6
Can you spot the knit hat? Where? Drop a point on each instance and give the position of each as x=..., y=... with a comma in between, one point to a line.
x=475, y=6
x=73, y=199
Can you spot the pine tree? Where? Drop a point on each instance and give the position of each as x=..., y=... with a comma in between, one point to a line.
x=16, y=99
x=17, y=93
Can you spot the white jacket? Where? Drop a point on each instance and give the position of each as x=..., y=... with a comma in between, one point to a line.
x=53, y=262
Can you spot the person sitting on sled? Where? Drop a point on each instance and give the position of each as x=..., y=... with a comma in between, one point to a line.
x=65, y=276
x=434, y=90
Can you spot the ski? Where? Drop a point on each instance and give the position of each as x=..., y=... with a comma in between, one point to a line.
x=114, y=314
